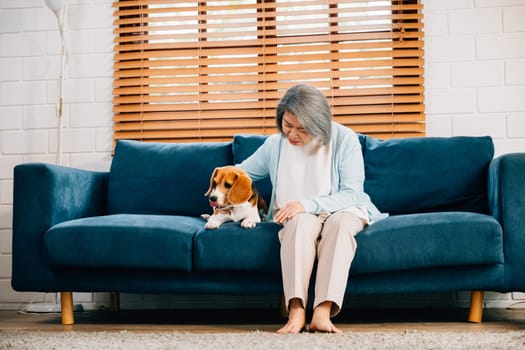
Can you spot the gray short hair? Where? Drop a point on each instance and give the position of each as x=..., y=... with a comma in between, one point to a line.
x=310, y=107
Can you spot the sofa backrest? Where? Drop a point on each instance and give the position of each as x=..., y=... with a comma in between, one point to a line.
x=415, y=175
x=163, y=178
x=243, y=146
x=409, y=175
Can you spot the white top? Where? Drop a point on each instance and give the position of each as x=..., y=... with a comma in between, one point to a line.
x=348, y=173
x=305, y=172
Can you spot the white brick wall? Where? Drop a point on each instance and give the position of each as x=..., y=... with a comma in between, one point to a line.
x=475, y=70
x=475, y=85
x=29, y=70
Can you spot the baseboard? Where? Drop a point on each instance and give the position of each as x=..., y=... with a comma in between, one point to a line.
x=49, y=308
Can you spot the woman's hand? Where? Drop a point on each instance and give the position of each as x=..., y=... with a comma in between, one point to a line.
x=288, y=211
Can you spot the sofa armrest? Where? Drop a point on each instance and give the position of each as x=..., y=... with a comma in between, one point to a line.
x=45, y=195
x=507, y=204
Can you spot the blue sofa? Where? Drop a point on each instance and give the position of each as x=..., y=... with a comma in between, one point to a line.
x=456, y=222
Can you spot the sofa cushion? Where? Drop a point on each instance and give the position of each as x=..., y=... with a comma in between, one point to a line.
x=243, y=146
x=406, y=242
x=124, y=241
x=416, y=175
x=403, y=242
x=232, y=248
x=163, y=178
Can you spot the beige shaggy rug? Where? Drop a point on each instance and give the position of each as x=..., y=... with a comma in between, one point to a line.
x=256, y=340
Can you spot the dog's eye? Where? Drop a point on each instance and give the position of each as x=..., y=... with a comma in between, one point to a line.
x=227, y=185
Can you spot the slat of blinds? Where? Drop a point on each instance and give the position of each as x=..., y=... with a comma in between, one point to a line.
x=183, y=114
x=235, y=21
x=380, y=61
x=266, y=9
x=193, y=17
x=359, y=97
x=135, y=3
x=190, y=124
x=226, y=70
x=352, y=79
x=204, y=107
x=348, y=50
x=307, y=39
x=250, y=32
x=133, y=118
x=206, y=72
x=195, y=133
x=179, y=27
x=244, y=32
x=156, y=29
x=220, y=99
x=217, y=101
x=255, y=52
x=194, y=21
x=242, y=88
x=272, y=86
x=340, y=69
x=355, y=82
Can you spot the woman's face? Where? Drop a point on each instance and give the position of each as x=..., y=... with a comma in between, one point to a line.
x=294, y=130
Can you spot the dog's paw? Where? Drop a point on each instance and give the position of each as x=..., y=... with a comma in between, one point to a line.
x=212, y=225
x=249, y=223
x=205, y=216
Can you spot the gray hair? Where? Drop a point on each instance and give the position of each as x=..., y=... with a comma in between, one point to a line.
x=310, y=107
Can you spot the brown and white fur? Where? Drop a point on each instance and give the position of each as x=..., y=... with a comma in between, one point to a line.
x=233, y=198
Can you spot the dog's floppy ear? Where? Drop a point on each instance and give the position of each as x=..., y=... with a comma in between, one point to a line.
x=212, y=179
x=241, y=189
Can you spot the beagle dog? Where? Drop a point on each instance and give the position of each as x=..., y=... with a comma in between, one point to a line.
x=233, y=198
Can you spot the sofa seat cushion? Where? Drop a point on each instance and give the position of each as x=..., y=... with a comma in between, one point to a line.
x=124, y=241
x=232, y=248
x=416, y=241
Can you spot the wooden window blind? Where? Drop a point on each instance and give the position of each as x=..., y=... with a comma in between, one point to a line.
x=207, y=70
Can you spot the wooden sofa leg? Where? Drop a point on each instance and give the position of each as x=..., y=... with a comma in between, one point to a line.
x=476, y=306
x=66, y=301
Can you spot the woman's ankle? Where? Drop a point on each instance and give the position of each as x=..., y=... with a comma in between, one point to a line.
x=324, y=309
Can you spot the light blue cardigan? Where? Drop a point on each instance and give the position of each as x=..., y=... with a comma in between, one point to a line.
x=348, y=173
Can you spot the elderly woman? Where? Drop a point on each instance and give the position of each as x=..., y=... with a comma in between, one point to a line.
x=317, y=172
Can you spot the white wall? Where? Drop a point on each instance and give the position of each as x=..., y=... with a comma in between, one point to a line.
x=475, y=85
x=29, y=67
x=475, y=70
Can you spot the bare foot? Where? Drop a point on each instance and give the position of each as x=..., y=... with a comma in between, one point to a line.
x=321, y=319
x=296, y=318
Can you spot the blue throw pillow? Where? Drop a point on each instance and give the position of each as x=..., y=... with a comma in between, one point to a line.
x=163, y=178
x=243, y=147
x=415, y=175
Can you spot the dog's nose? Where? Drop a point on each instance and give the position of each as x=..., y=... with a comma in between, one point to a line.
x=213, y=198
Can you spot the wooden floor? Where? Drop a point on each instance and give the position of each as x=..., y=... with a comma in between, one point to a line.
x=358, y=320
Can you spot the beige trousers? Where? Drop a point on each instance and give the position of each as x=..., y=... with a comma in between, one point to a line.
x=303, y=239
